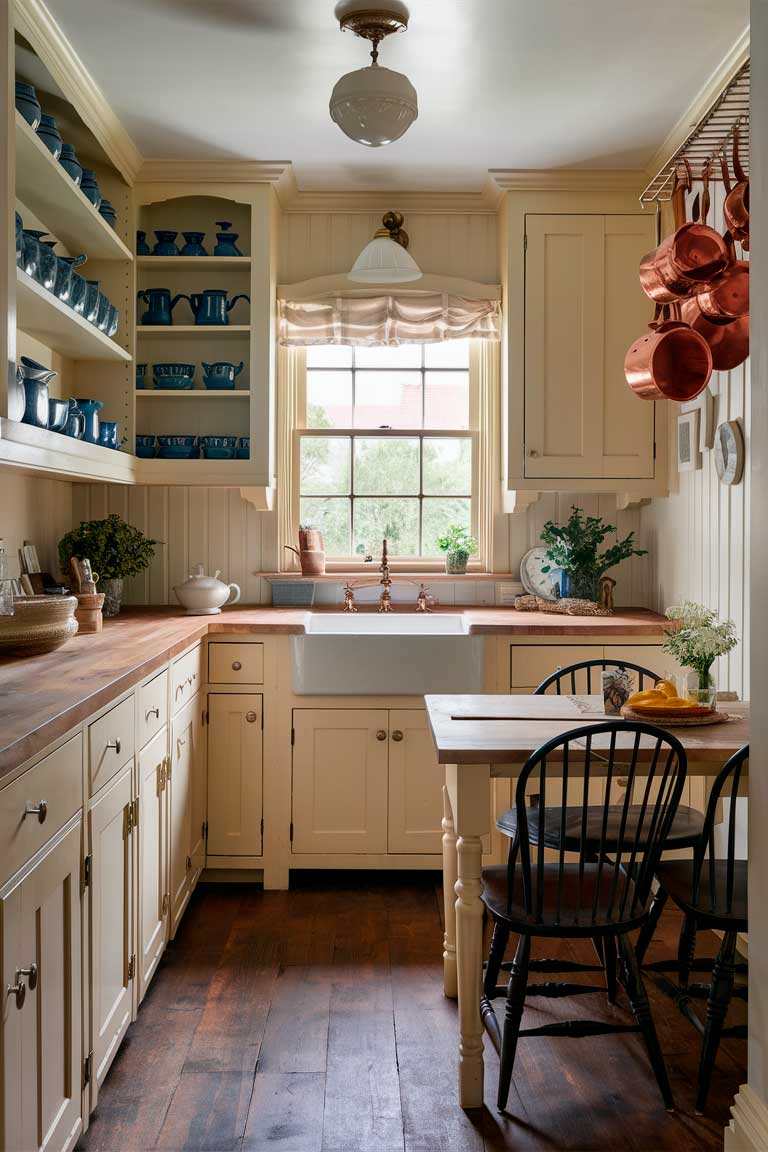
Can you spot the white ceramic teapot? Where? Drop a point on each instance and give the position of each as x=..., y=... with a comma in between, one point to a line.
x=203, y=595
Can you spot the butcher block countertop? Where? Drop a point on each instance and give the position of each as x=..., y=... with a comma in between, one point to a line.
x=43, y=697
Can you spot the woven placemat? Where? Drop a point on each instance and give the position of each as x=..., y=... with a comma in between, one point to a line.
x=664, y=720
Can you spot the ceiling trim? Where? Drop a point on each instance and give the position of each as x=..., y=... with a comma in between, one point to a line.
x=294, y=199
x=700, y=105
x=215, y=172
x=37, y=25
x=568, y=179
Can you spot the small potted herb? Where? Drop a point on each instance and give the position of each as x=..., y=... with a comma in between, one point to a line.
x=458, y=545
x=115, y=550
x=575, y=549
x=698, y=639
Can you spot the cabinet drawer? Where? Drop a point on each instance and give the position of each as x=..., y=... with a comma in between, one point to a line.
x=532, y=663
x=186, y=678
x=153, y=707
x=111, y=743
x=56, y=781
x=235, y=663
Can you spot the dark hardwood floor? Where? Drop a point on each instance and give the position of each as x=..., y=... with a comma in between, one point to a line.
x=314, y=1021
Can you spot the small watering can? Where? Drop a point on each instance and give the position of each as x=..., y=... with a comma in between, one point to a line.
x=159, y=305
x=211, y=306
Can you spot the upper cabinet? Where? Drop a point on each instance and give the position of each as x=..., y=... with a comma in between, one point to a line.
x=574, y=306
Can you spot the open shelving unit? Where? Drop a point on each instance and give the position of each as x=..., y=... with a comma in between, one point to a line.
x=42, y=315
x=192, y=394
x=193, y=261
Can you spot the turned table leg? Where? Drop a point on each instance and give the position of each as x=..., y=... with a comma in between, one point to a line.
x=450, y=985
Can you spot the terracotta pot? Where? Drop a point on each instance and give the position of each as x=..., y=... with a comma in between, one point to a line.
x=310, y=540
x=671, y=362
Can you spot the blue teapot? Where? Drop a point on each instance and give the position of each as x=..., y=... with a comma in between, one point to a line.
x=226, y=240
x=159, y=305
x=211, y=307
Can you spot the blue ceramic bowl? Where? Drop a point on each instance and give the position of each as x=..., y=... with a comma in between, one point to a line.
x=174, y=370
x=219, y=453
x=243, y=448
x=145, y=447
x=175, y=453
x=218, y=441
x=141, y=375
x=173, y=383
x=178, y=441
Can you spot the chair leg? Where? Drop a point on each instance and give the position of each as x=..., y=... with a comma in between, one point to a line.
x=638, y=1001
x=648, y=929
x=609, y=952
x=720, y=992
x=686, y=948
x=499, y=942
x=518, y=981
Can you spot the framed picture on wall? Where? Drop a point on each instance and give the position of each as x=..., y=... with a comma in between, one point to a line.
x=688, y=453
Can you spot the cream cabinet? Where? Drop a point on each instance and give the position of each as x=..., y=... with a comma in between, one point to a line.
x=529, y=664
x=42, y=1054
x=415, y=785
x=186, y=806
x=152, y=888
x=111, y=820
x=583, y=308
x=234, y=774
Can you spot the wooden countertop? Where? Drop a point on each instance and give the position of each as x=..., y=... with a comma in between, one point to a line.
x=42, y=697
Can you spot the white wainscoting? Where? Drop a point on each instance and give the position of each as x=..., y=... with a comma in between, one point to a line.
x=698, y=536
x=37, y=510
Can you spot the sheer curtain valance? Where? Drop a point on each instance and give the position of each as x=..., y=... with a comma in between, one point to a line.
x=390, y=318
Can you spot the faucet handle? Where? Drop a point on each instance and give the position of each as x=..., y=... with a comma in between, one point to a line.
x=349, y=598
x=423, y=599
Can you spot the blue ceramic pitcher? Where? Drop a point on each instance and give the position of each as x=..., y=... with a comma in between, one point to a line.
x=211, y=306
x=90, y=410
x=159, y=305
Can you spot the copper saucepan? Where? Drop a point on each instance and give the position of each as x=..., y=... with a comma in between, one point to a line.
x=686, y=261
x=728, y=338
x=728, y=297
x=736, y=207
x=671, y=362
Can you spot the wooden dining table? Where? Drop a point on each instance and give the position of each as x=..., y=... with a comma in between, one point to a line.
x=480, y=739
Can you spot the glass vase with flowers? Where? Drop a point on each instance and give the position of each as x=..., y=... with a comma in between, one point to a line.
x=697, y=639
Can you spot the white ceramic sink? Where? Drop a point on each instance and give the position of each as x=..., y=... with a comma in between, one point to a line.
x=392, y=654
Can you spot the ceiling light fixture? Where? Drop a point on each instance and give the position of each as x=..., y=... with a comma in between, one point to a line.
x=385, y=259
x=373, y=105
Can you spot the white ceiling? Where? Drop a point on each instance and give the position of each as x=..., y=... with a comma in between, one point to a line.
x=501, y=83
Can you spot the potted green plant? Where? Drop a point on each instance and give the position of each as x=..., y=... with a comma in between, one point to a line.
x=458, y=543
x=698, y=638
x=115, y=550
x=574, y=548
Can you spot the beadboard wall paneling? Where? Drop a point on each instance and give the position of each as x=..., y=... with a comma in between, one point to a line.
x=698, y=536
x=37, y=510
x=449, y=244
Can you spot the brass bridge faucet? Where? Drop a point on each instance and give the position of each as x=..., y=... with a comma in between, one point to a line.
x=385, y=600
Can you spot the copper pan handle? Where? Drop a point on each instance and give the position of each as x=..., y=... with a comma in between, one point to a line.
x=705, y=194
x=678, y=202
x=696, y=208
x=725, y=174
x=738, y=171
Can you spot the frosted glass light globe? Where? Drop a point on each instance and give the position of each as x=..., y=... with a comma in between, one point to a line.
x=383, y=261
x=374, y=105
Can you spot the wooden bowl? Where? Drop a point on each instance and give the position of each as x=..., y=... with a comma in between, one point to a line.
x=39, y=624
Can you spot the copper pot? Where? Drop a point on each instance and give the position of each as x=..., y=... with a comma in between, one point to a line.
x=686, y=261
x=736, y=206
x=727, y=298
x=671, y=362
x=728, y=343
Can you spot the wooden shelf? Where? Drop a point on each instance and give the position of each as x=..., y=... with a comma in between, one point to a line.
x=41, y=452
x=399, y=576
x=180, y=261
x=214, y=331
x=192, y=394
x=46, y=189
x=40, y=314
x=213, y=473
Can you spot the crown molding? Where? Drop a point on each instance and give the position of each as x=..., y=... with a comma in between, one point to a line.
x=214, y=171
x=700, y=105
x=568, y=179
x=294, y=199
x=37, y=25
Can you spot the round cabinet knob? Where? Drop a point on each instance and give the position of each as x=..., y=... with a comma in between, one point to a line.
x=251, y=717
x=381, y=734
x=397, y=735
x=236, y=665
x=40, y=810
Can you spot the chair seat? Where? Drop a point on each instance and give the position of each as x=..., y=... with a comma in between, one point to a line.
x=675, y=877
x=686, y=830
x=572, y=914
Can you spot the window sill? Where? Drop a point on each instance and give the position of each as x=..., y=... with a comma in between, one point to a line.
x=406, y=575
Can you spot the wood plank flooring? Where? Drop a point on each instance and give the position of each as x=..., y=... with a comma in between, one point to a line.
x=314, y=1021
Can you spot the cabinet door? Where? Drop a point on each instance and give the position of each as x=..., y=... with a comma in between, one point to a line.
x=340, y=780
x=42, y=1032
x=184, y=739
x=111, y=849
x=415, y=785
x=234, y=774
x=584, y=306
x=153, y=858
x=529, y=664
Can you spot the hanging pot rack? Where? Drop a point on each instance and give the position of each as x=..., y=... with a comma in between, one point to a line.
x=709, y=140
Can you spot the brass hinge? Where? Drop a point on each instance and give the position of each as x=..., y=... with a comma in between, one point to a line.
x=127, y=820
x=166, y=904
x=87, y=1065
x=293, y=736
x=204, y=830
x=291, y=829
x=86, y=872
x=132, y=967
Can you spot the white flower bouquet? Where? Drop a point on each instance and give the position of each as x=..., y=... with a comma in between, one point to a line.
x=700, y=637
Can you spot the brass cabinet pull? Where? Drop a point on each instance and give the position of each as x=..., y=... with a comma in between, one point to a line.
x=40, y=810
x=19, y=990
x=251, y=717
x=114, y=744
x=236, y=665
x=381, y=734
x=397, y=735
x=622, y=781
x=152, y=712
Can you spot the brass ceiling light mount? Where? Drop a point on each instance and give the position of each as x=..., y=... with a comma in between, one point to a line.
x=372, y=23
x=393, y=228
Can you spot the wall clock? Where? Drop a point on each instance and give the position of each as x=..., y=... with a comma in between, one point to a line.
x=729, y=452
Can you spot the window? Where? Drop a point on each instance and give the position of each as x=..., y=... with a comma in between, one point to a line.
x=388, y=449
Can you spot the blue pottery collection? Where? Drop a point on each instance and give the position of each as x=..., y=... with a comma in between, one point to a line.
x=145, y=447
x=226, y=241
x=46, y=261
x=221, y=375
x=90, y=410
x=70, y=163
x=159, y=305
x=58, y=414
x=106, y=209
x=89, y=187
x=218, y=447
x=243, y=451
x=27, y=103
x=91, y=302
x=211, y=307
x=194, y=244
x=142, y=248
x=50, y=135
x=178, y=447
x=141, y=375
x=75, y=422
x=166, y=243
